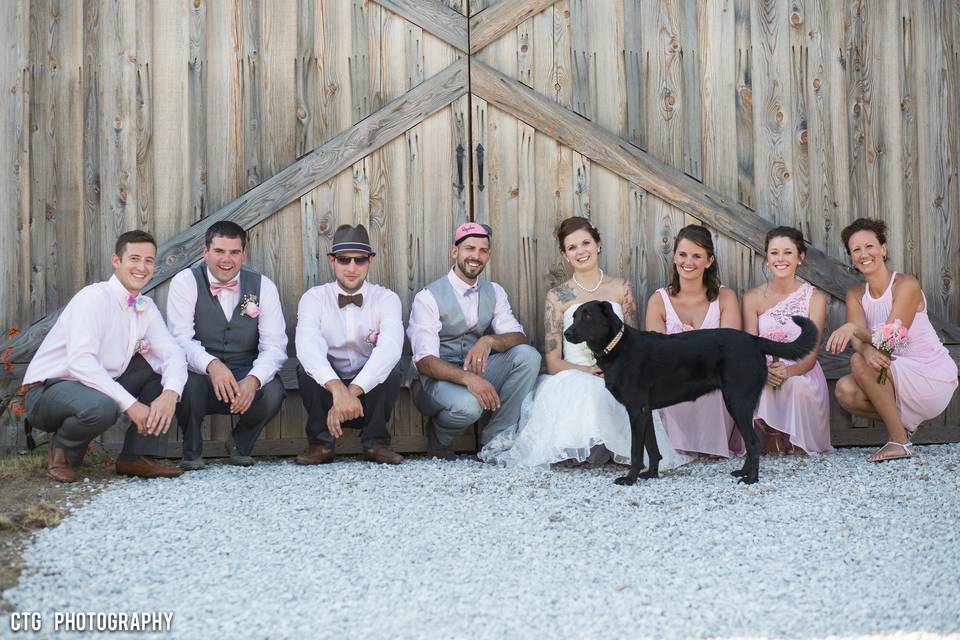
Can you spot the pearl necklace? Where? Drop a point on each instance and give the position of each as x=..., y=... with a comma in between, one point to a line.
x=599, y=282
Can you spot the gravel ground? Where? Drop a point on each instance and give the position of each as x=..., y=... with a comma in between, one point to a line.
x=822, y=546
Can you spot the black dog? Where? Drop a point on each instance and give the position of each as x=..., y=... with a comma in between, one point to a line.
x=645, y=370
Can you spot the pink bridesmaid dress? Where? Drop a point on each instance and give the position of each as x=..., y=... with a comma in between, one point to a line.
x=924, y=374
x=801, y=407
x=703, y=425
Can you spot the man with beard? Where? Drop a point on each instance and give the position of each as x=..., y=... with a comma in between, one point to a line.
x=108, y=352
x=228, y=320
x=469, y=350
x=349, y=341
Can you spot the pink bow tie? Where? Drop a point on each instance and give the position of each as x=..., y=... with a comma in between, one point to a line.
x=217, y=287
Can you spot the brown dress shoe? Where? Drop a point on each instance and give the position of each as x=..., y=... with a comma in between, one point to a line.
x=144, y=467
x=57, y=466
x=315, y=454
x=379, y=453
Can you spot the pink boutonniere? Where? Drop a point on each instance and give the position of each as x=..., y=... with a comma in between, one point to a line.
x=372, y=337
x=249, y=306
x=143, y=346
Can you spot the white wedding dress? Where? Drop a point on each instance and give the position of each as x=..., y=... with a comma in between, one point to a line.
x=568, y=414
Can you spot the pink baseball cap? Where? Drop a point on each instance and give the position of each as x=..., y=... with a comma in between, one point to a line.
x=470, y=229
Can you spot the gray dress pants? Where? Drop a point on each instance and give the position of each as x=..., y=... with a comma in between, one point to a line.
x=77, y=414
x=453, y=408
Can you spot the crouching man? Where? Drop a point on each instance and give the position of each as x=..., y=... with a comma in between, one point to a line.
x=229, y=323
x=349, y=341
x=108, y=352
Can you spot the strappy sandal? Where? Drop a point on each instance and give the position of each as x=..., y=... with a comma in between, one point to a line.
x=907, y=451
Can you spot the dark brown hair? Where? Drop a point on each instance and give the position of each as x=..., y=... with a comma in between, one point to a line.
x=572, y=225
x=700, y=236
x=132, y=237
x=225, y=229
x=879, y=228
x=794, y=235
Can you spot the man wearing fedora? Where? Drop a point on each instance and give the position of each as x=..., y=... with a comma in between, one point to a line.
x=469, y=350
x=349, y=340
x=228, y=320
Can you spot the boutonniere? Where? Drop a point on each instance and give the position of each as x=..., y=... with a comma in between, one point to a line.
x=249, y=306
x=372, y=337
x=143, y=346
x=139, y=303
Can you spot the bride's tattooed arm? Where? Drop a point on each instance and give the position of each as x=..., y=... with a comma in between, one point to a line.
x=631, y=313
x=553, y=324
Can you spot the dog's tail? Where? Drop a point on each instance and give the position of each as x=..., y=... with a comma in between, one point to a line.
x=797, y=349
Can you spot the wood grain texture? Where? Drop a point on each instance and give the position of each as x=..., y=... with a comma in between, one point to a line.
x=665, y=182
x=319, y=166
x=440, y=20
x=501, y=18
x=744, y=104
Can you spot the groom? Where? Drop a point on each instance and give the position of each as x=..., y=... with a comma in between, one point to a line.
x=469, y=350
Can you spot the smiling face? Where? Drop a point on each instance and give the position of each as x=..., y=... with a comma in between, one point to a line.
x=350, y=276
x=866, y=252
x=471, y=257
x=135, y=267
x=783, y=257
x=581, y=250
x=691, y=260
x=224, y=257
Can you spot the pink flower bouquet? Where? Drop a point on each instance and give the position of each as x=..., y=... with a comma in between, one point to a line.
x=888, y=339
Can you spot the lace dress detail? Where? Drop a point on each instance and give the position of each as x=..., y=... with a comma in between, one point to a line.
x=800, y=408
x=569, y=414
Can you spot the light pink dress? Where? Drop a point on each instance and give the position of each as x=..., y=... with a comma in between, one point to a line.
x=924, y=374
x=801, y=407
x=703, y=425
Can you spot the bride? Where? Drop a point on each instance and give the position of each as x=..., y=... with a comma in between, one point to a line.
x=570, y=415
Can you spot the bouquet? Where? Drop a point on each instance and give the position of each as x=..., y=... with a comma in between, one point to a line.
x=888, y=338
x=779, y=334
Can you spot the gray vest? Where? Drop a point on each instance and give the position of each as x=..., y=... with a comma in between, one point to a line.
x=235, y=341
x=456, y=338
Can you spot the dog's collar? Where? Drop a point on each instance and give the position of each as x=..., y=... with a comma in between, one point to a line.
x=613, y=343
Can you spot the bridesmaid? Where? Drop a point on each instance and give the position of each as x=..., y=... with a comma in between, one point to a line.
x=694, y=299
x=794, y=409
x=922, y=377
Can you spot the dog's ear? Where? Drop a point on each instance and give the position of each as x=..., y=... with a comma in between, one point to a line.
x=613, y=320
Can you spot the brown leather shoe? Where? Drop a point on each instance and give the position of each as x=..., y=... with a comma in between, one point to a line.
x=380, y=453
x=57, y=466
x=144, y=467
x=316, y=454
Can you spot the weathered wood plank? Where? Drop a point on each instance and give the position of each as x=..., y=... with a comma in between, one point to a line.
x=656, y=177
x=798, y=132
x=772, y=112
x=492, y=23
x=196, y=129
x=295, y=180
x=744, y=105
x=635, y=67
x=440, y=20
x=224, y=104
x=14, y=158
x=582, y=88
x=689, y=14
x=661, y=43
x=912, y=218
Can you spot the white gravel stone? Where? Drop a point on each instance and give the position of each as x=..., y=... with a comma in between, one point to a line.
x=822, y=546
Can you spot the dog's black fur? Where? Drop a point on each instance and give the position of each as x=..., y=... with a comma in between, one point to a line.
x=648, y=370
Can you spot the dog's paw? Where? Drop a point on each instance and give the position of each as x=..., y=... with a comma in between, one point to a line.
x=737, y=473
x=626, y=480
x=748, y=480
x=649, y=475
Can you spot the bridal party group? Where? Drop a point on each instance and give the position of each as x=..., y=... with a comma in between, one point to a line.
x=224, y=341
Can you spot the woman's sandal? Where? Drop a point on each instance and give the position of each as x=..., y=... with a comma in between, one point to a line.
x=907, y=451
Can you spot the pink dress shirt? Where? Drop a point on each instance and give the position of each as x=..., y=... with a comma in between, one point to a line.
x=360, y=343
x=96, y=337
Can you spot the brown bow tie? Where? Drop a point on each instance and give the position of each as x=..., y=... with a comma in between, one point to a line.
x=356, y=299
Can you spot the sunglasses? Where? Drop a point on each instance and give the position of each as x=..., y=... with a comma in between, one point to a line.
x=345, y=260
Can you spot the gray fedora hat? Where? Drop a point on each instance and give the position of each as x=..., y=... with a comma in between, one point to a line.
x=350, y=238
